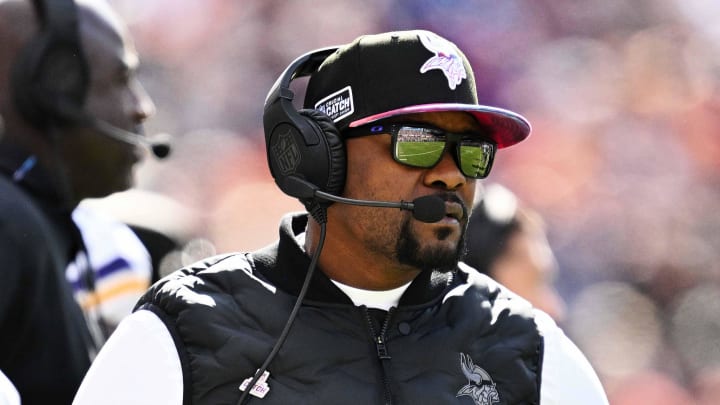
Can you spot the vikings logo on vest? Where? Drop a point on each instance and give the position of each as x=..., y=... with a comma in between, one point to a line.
x=446, y=58
x=480, y=386
x=337, y=105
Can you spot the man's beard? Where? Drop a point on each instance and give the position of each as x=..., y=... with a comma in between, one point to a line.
x=410, y=252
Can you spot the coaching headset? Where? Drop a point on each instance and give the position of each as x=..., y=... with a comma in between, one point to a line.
x=50, y=76
x=306, y=153
x=302, y=144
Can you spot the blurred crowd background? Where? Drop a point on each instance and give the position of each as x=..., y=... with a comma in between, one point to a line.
x=623, y=162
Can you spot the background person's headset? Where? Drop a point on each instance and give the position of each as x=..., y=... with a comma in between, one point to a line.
x=50, y=76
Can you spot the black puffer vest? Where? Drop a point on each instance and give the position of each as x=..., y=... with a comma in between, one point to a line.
x=455, y=338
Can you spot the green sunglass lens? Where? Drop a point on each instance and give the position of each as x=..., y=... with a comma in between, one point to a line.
x=423, y=153
x=424, y=147
x=475, y=159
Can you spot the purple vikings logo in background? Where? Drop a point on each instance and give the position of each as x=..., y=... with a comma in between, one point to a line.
x=446, y=58
x=480, y=386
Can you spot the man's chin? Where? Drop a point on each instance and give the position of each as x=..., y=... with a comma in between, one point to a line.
x=440, y=258
x=440, y=251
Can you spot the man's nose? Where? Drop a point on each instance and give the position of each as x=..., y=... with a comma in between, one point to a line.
x=446, y=173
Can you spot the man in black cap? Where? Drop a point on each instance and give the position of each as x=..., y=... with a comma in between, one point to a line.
x=390, y=120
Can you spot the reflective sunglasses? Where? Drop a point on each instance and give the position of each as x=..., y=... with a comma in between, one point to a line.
x=423, y=146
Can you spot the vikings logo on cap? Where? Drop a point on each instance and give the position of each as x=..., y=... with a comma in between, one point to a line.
x=446, y=58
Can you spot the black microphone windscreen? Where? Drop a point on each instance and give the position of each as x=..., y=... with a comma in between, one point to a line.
x=429, y=208
x=161, y=150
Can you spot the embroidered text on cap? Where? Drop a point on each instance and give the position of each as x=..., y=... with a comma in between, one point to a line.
x=338, y=105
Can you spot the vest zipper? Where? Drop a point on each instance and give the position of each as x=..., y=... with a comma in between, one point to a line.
x=382, y=351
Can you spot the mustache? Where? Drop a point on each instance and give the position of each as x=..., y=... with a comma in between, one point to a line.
x=453, y=197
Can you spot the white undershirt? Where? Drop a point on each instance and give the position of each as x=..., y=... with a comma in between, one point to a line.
x=373, y=299
x=140, y=365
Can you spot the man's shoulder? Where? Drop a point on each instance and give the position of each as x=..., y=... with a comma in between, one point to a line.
x=481, y=294
x=203, y=282
x=214, y=270
x=16, y=207
x=488, y=287
x=24, y=226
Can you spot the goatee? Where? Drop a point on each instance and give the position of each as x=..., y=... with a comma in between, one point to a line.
x=410, y=252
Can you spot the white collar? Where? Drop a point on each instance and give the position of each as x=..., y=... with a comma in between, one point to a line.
x=370, y=298
x=373, y=299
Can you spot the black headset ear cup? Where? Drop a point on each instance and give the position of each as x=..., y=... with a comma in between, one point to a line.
x=304, y=149
x=23, y=76
x=50, y=76
x=336, y=150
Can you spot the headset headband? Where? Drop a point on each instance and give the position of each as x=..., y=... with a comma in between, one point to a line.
x=278, y=103
x=302, y=143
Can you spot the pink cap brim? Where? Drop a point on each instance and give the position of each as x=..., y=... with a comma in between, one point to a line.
x=509, y=127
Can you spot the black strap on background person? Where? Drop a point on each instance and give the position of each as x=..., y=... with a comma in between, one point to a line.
x=98, y=327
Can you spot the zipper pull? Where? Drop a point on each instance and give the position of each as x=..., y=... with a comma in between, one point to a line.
x=381, y=348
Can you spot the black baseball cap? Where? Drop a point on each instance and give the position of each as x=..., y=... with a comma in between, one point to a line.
x=403, y=72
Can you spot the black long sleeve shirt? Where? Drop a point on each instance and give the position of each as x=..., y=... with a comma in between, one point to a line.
x=44, y=340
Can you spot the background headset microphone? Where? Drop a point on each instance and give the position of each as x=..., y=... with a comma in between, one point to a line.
x=306, y=153
x=50, y=78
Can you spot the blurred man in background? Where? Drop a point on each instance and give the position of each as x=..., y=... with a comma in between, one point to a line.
x=508, y=242
x=67, y=88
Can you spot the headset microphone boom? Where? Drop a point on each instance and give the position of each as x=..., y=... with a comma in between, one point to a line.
x=429, y=208
x=159, y=145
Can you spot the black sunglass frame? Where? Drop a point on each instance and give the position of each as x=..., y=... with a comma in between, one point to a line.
x=393, y=129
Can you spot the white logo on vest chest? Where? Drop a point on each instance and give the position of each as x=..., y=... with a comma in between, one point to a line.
x=480, y=386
